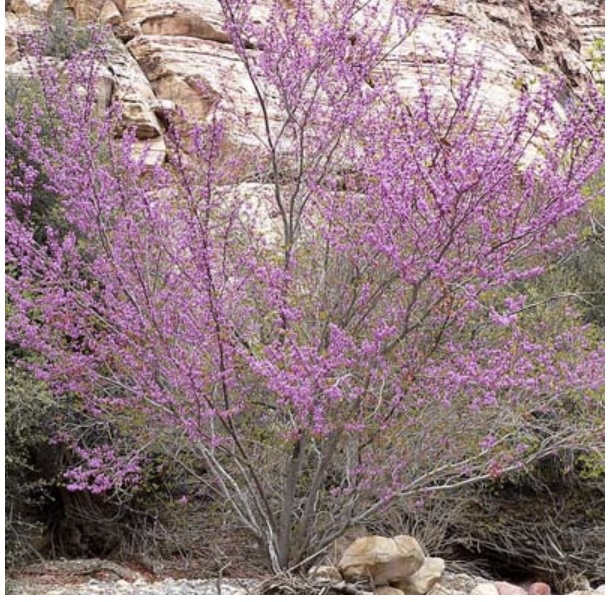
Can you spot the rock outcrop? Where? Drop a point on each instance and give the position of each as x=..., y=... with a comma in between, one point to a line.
x=178, y=52
x=135, y=94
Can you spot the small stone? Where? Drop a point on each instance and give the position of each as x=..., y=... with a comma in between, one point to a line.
x=508, y=589
x=601, y=590
x=440, y=590
x=459, y=582
x=485, y=589
x=539, y=589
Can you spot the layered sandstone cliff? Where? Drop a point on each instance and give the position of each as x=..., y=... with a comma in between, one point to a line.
x=176, y=53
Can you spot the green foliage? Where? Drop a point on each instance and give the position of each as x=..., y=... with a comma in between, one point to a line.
x=29, y=409
x=591, y=467
x=27, y=406
x=577, y=278
x=587, y=265
x=598, y=60
x=65, y=38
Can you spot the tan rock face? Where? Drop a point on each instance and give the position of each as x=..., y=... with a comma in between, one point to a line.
x=109, y=13
x=188, y=71
x=588, y=17
x=382, y=560
x=200, y=76
x=182, y=48
x=86, y=10
x=134, y=92
x=202, y=19
x=181, y=53
x=11, y=49
x=151, y=152
x=540, y=31
x=27, y=7
x=16, y=28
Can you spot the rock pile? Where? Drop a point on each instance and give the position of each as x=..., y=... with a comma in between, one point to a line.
x=397, y=566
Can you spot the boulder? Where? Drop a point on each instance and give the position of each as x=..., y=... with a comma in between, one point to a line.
x=387, y=590
x=339, y=545
x=424, y=578
x=382, y=560
x=484, y=589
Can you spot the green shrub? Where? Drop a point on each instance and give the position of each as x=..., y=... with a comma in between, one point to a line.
x=28, y=415
x=66, y=38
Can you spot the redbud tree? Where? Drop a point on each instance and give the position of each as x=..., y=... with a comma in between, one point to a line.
x=329, y=313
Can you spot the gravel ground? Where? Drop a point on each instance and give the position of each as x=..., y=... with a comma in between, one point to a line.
x=106, y=578
x=139, y=587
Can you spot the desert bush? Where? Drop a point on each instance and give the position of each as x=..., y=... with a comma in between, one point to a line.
x=371, y=342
